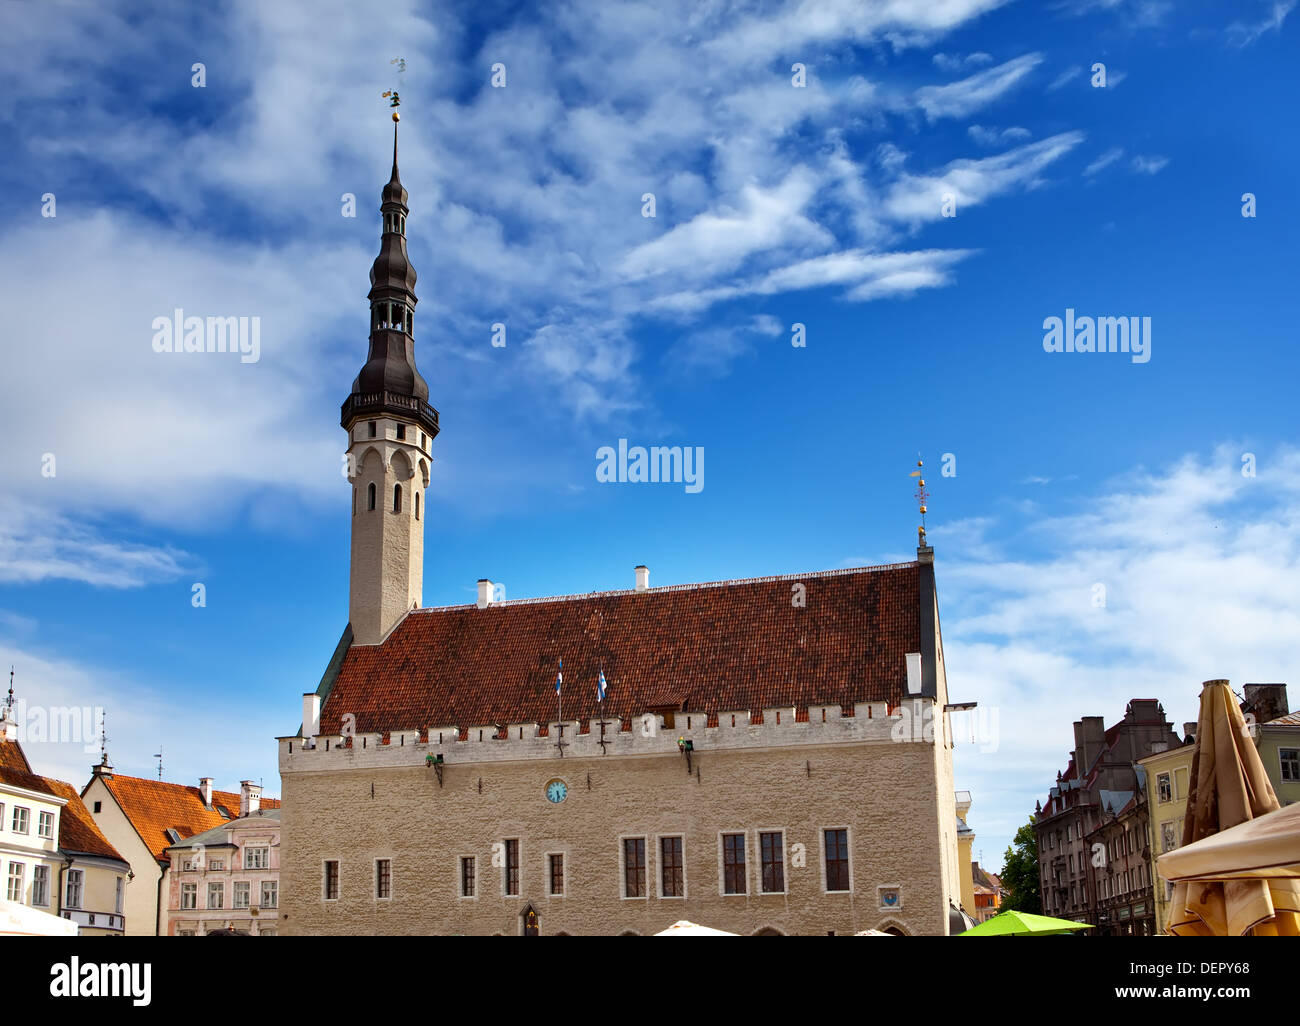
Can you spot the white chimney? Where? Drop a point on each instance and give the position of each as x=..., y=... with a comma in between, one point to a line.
x=250, y=797
x=205, y=788
x=310, y=714
x=913, y=673
x=484, y=593
x=643, y=578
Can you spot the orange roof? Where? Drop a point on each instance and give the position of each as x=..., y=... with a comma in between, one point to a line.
x=155, y=806
x=78, y=832
x=16, y=771
x=727, y=646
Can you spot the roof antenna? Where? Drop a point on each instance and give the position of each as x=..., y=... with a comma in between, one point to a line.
x=158, y=756
x=103, y=738
x=10, y=703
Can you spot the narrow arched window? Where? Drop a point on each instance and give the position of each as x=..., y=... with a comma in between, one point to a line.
x=397, y=498
x=417, y=505
x=370, y=495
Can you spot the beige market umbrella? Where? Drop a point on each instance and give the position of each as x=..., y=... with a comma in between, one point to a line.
x=685, y=928
x=1266, y=848
x=23, y=921
x=1228, y=788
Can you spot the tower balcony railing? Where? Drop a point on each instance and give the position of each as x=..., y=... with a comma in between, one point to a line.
x=360, y=403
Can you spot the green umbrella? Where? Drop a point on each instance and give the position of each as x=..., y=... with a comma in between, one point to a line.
x=1023, y=924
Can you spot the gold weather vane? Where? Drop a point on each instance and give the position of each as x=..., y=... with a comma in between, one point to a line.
x=922, y=497
x=391, y=95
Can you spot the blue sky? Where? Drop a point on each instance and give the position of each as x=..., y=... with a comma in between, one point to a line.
x=775, y=205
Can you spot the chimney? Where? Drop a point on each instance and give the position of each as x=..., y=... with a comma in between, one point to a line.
x=310, y=714
x=484, y=593
x=205, y=788
x=1266, y=701
x=250, y=797
x=913, y=673
x=642, y=578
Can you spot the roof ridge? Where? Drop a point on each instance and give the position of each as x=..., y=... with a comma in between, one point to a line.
x=695, y=586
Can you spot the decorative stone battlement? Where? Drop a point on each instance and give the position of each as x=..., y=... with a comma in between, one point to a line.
x=869, y=723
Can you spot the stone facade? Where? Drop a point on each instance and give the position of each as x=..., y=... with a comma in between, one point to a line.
x=872, y=774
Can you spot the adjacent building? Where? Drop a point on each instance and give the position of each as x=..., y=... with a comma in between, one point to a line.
x=227, y=879
x=142, y=818
x=767, y=755
x=53, y=856
x=1098, y=784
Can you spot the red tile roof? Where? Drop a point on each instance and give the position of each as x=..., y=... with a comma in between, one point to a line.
x=77, y=829
x=16, y=771
x=155, y=806
x=734, y=645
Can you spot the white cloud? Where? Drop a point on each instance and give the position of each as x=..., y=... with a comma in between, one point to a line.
x=1241, y=34
x=1104, y=161
x=958, y=99
x=1149, y=165
x=1064, y=78
x=991, y=137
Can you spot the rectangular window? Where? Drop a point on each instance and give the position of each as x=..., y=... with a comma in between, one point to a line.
x=121, y=894
x=512, y=867
x=837, y=860
x=216, y=863
x=372, y=429
x=99, y=806
x=467, y=876
x=331, y=880
x=21, y=818
x=1290, y=758
x=41, y=885
x=772, y=853
x=401, y=432
x=216, y=895
x=256, y=858
x=733, y=864
x=14, y=892
x=45, y=824
x=383, y=878
x=557, y=875
x=634, y=867
x=670, y=868
x=1165, y=788
x=189, y=896
x=73, y=896
x=239, y=896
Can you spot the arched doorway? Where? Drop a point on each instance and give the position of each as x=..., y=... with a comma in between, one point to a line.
x=529, y=922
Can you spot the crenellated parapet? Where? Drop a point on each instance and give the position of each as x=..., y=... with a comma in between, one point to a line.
x=650, y=735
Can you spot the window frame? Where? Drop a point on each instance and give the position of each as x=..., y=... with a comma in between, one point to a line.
x=663, y=866
x=461, y=860
x=42, y=819
x=275, y=894
x=623, y=869
x=506, y=869
x=782, y=865
x=77, y=877
x=550, y=857
x=27, y=819
x=217, y=887
x=190, y=890
x=264, y=862
x=247, y=885
x=38, y=869
x=325, y=879
x=20, y=878
x=722, y=863
x=1283, y=760
x=383, y=880
x=848, y=859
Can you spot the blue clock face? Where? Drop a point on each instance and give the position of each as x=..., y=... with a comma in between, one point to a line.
x=556, y=791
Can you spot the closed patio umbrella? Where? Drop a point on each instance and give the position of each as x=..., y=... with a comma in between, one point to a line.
x=1228, y=788
x=1265, y=848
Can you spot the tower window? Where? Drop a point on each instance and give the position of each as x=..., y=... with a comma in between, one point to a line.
x=417, y=505
x=370, y=495
x=401, y=432
x=423, y=444
x=372, y=429
x=397, y=498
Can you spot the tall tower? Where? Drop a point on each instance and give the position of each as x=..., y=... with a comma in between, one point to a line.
x=391, y=428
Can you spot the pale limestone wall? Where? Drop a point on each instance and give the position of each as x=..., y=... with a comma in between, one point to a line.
x=885, y=792
x=387, y=548
x=141, y=907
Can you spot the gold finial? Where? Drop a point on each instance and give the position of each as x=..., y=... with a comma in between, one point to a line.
x=922, y=497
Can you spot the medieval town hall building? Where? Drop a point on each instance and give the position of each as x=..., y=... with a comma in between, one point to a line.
x=773, y=755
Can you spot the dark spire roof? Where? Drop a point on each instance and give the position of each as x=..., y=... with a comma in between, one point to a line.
x=389, y=382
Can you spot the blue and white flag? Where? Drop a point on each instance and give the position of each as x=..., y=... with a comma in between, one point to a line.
x=559, y=677
x=601, y=687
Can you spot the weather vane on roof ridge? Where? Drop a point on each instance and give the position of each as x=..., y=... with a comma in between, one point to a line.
x=922, y=497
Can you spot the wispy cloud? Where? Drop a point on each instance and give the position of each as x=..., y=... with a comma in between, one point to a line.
x=1242, y=34
x=958, y=99
x=1149, y=165
x=1104, y=161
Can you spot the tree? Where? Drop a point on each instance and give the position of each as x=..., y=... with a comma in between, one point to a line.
x=1020, y=873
